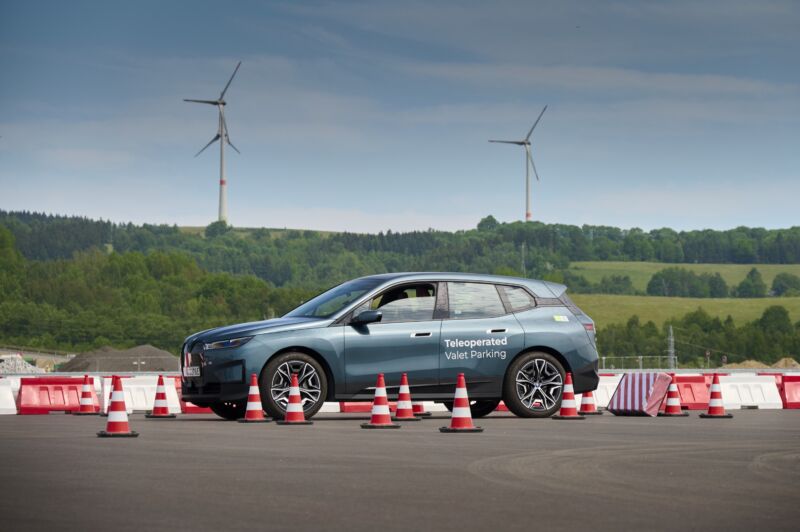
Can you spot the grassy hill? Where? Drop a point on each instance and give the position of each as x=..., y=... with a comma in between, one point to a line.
x=607, y=309
x=641, y=272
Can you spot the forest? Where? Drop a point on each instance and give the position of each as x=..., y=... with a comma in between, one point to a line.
x=73, y=283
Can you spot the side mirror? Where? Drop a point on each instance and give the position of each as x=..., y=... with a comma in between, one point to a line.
x=368, y=316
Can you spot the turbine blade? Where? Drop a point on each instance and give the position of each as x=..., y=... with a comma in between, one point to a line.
x=227, y=138
x=534, y=124
x=235, y=70
x=231, y=145
x=210, y=102
x=508, y=142
x=216, y=138
x=530, y=160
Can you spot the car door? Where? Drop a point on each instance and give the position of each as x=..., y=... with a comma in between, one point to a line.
x=479, y=337
x=406, y=340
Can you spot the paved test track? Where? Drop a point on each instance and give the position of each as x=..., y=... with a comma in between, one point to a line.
x=202, y=473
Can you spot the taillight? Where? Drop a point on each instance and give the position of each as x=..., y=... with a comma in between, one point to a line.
x=589, y=327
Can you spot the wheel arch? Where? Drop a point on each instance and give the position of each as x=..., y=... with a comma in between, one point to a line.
x=544, y=349
x=313, y=354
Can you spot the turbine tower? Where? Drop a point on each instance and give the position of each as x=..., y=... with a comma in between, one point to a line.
x=222, y=136
x=528, y=164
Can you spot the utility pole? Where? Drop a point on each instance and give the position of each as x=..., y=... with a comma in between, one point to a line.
x=673, y=360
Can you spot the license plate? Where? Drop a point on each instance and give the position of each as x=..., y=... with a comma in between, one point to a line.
x=191, y=371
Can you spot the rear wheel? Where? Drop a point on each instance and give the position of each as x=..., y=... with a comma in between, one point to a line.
x=478, y=408
x=230, y=410
x=533, y=385
x=277, y=377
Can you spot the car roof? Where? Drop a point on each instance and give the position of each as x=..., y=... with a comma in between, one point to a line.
x=539, y=288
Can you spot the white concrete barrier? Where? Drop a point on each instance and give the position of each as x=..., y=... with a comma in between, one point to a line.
x=8, y=401
x=605, y=389
x=140, y=394
x=748, y=390
x=330, y=406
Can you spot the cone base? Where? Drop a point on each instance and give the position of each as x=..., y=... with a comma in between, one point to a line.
x=131, y=434
x=423, y=414
x=86, y=413
x=567, y=417
x=150, y=415
x=595, y=413
x=467, y=429
x=413, y=418
x=284, y=422
x=719, y=416
x=253, y=420
x=381, y=426
x=682, y=414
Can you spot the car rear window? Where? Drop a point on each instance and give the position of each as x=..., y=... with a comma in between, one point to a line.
x=518, y=298
x=474, y=300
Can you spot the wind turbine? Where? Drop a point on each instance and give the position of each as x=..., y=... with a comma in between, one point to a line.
x=222, y=136
x=528, y=164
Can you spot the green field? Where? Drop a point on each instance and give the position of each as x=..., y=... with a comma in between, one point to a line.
x=607, y=309
x=641, y=272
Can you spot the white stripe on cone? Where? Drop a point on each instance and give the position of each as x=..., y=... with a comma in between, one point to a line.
x=380, y=409
x=294, y=407
x=380, y=392
x=461, y=411
x=461, y=393
x=117, y=416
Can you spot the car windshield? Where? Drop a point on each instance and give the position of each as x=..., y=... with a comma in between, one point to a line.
x=337, y=298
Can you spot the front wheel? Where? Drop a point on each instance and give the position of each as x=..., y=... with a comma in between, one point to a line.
x=230, y=410
x=533, y=385
x=277, y=377
x=478, y=408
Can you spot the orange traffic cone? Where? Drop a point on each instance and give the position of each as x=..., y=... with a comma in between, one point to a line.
x=568, y=410
x=160, y=407
x=673, y=401
x=87, y=407
x=381, y=418
x=294, y=409
x=588, y=406
x=254, y=412
x=117, y=426
x=405, y=411
x=461, y=420
x=715, y=407
x=419, y=409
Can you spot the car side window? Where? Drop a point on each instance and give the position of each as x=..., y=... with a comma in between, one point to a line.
x=518, y=298
x=413, y=302
x=474, y=300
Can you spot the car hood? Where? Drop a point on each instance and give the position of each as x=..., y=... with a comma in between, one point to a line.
x=255, y=327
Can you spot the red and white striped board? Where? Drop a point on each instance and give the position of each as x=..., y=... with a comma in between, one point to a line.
x=639, y=394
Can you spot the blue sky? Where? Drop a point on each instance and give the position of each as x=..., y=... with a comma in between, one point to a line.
x=367, y=116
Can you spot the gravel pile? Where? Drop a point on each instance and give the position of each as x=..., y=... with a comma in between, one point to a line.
x=15, y=364
x=108, y=359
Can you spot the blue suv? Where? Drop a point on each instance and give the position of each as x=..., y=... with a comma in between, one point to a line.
x=513, y=338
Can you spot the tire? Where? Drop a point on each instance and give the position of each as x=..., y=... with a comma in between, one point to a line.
x=230, y=410
x=478, y=409
x=533, y=385
x=275, y=379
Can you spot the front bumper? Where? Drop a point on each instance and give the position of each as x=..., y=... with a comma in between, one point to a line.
x=223, y=377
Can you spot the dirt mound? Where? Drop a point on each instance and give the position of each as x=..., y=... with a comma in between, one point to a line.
x=139, y=358
x=786, y=363
x=747, y=364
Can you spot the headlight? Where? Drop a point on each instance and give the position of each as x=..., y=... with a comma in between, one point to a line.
x=225, y=344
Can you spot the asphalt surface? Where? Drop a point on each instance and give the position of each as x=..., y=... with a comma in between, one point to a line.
x=202, y=473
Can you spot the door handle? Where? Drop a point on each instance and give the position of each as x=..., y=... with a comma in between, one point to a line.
x=420, y=334
x=493, y=331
